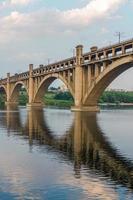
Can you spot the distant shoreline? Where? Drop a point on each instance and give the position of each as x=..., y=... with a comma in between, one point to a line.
x=115, y=104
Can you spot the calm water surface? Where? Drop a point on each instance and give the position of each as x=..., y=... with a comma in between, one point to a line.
x=54, y=154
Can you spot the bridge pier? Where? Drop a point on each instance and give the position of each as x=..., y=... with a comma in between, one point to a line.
x=9, y=103
x=78, y=77
x=35, y=105
x=31, y=103
x=85, y=108
x=80, y=84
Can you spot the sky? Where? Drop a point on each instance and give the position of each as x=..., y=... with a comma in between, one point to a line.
x=35, y=31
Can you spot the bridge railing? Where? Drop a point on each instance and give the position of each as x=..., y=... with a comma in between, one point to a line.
x=124, y=42
x=58, y=66
x=110, y=52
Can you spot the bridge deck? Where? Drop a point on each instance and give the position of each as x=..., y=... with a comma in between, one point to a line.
x=108, y=53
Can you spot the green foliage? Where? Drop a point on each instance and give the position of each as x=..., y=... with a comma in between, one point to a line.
x=58, y=99
x=63, y=96
x=65, y=99
x=23, y=99
x=2, y=99
x=116, y=97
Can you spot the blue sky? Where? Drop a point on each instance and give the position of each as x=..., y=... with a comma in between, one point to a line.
x=33, y=31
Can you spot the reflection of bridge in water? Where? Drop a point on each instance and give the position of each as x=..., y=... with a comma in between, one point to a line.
x=84, y=143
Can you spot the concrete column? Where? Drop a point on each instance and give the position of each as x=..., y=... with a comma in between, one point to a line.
x=123, y=49
x=69, y=76
x=96, y=70
x=8, y=87
x=31, y=84
x=32, y=89
x=78, y=77
x=73, y=77
x=105, y=54
x=113, y=51
x=79, y=84
x=104, y=65
x=85, y=80
x=97, y=56
x=8, y=102
x=89, y=76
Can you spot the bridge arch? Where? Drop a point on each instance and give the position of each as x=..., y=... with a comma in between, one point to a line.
x=15, y=91
x=45, y=83
x=106, y=78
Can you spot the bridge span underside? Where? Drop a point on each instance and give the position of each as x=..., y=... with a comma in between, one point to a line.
x=86, y=76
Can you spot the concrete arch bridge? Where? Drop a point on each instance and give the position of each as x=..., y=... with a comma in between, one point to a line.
x=86, y=75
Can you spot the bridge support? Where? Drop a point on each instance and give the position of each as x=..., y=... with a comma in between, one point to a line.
x=31, y=85
x=8, y=102
x=11, y=103
x=35, y=105
x=80, y=85
x=78, y=77
x=31, y=103
x=8, y=87
x=86, y=108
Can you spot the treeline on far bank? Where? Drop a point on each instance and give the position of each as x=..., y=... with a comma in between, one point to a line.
x=111, y=96
x=65, y=99
x=114, y=96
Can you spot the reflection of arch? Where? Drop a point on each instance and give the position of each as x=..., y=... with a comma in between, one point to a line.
x=105, y=78
x=45, y=83
x=84, y=140
x=96, y=151
x=15, y=91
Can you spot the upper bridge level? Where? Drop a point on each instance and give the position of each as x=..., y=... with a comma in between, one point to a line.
x=86, y=75
x=108, y=53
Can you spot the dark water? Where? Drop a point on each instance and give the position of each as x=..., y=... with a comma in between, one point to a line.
x=58, y=155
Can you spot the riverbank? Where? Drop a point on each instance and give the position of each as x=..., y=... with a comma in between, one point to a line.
x=109, y=99
x=50, y=100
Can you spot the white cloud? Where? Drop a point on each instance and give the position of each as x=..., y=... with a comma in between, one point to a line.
x=46, y=21
x=95, y=9
x=20, y=2
x=21, y=29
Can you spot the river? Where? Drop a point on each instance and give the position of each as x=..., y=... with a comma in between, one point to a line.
x=56, y=154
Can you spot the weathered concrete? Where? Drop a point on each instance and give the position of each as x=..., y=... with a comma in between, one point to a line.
x=30, y=105
x=86, y=108
x=9, y=103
